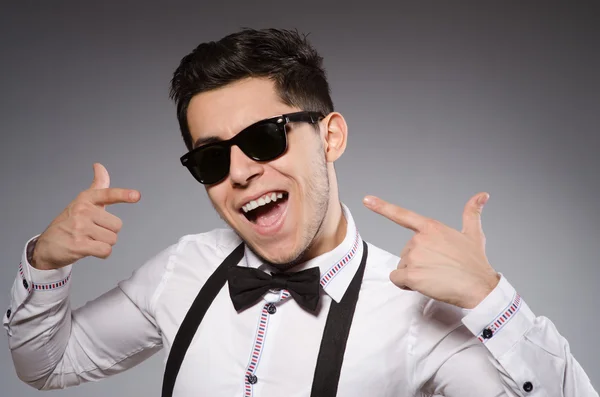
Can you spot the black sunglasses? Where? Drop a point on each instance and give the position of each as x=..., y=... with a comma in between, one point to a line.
x=262, y=141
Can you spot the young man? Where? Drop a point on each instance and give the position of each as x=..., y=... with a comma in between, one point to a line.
x=290, y=300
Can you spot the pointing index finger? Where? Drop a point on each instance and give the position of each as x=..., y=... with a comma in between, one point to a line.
x=403, y=217
x=113, y=195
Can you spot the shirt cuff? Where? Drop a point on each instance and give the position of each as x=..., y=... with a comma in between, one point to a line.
x=45, y=286
x=40, y=288
x=501, y=319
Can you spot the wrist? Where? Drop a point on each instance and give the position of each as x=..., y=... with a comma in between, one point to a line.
x=33, y=259
x=479, y=292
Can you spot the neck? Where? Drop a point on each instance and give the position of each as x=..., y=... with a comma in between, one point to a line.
x=332, y=231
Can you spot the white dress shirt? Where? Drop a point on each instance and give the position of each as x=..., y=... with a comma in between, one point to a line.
x=401, y=343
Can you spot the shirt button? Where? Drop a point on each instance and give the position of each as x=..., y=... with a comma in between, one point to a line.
x=487, y=333
x=271, y=308
x=527, y=386
x=25, y=284
x=8, y=313
x=252, y=379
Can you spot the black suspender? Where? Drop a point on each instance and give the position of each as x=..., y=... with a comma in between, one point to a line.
x=194, y=317
x=333, y=342
x=335, y=335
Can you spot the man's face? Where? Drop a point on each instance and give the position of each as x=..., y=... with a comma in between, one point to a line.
x=280, y=232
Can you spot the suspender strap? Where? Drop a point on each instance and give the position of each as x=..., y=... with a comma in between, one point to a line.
x=335, y=336
x=194, y=316
x=333, y=342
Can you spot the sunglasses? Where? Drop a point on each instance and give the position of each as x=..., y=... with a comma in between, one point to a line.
x=262, y=141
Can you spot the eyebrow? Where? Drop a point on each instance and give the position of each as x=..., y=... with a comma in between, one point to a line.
x=206, y=140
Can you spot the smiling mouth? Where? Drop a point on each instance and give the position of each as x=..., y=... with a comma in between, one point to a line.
x=266, y=210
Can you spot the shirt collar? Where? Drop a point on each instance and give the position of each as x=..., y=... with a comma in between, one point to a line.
x=337, y=266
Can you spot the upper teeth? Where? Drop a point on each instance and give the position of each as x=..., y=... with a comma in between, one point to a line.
x=266, y=199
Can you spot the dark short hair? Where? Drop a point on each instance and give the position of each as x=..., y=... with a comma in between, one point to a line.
x=284, y=56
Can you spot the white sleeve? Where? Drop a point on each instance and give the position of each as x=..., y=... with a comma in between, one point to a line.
x=447, y=360
x=532, y=358
x=53, y=346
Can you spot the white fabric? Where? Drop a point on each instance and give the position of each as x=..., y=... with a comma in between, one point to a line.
x=401, y=343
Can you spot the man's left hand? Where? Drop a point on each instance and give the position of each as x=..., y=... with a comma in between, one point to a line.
x=439, y=261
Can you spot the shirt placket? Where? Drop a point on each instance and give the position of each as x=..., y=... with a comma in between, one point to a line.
x=268, y=309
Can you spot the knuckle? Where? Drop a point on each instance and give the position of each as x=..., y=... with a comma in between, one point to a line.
x=419, y=239
x=79, y=241
x=78, y=226
x=76, y=207
x=104, y=251
x=414, y=256
x=433, y=225
x=110, y=194
x=402, y=262
x=79, y=208
x=120, y=194
x=112, y=239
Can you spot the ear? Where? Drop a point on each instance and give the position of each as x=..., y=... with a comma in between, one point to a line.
x=335, y=136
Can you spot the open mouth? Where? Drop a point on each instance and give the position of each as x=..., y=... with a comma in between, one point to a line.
x=266, y=210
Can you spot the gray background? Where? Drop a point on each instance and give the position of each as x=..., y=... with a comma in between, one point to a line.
x=442, y=99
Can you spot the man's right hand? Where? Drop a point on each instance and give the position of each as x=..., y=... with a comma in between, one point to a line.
x=84, y=228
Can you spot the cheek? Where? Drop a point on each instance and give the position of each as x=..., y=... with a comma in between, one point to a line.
x=291, y=174
x=297, y=163
x=299, y=170
x=218, y=197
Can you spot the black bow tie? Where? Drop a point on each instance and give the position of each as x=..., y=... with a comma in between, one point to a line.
x=247, y=285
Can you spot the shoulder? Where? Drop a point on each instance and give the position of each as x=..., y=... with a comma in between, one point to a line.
x=381, y=259
x=215, y=243
x=190, y=255
x=193, y=247
x=380, y=263
x=198, y=253
x=378, y=289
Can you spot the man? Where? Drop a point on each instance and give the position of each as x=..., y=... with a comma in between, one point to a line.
x=289, y=300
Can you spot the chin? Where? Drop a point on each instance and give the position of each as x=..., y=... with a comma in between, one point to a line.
x=279, y=256
x=273, y=224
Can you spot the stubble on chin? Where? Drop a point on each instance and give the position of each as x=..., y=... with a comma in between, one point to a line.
x=283, y=264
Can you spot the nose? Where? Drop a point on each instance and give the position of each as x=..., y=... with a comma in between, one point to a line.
x=242, y=169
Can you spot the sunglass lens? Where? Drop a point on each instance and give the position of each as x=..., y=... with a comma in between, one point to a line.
x=264, y=142
x=211, y=164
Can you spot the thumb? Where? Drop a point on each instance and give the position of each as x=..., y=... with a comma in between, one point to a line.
x=101, y=177
x=472, y=215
